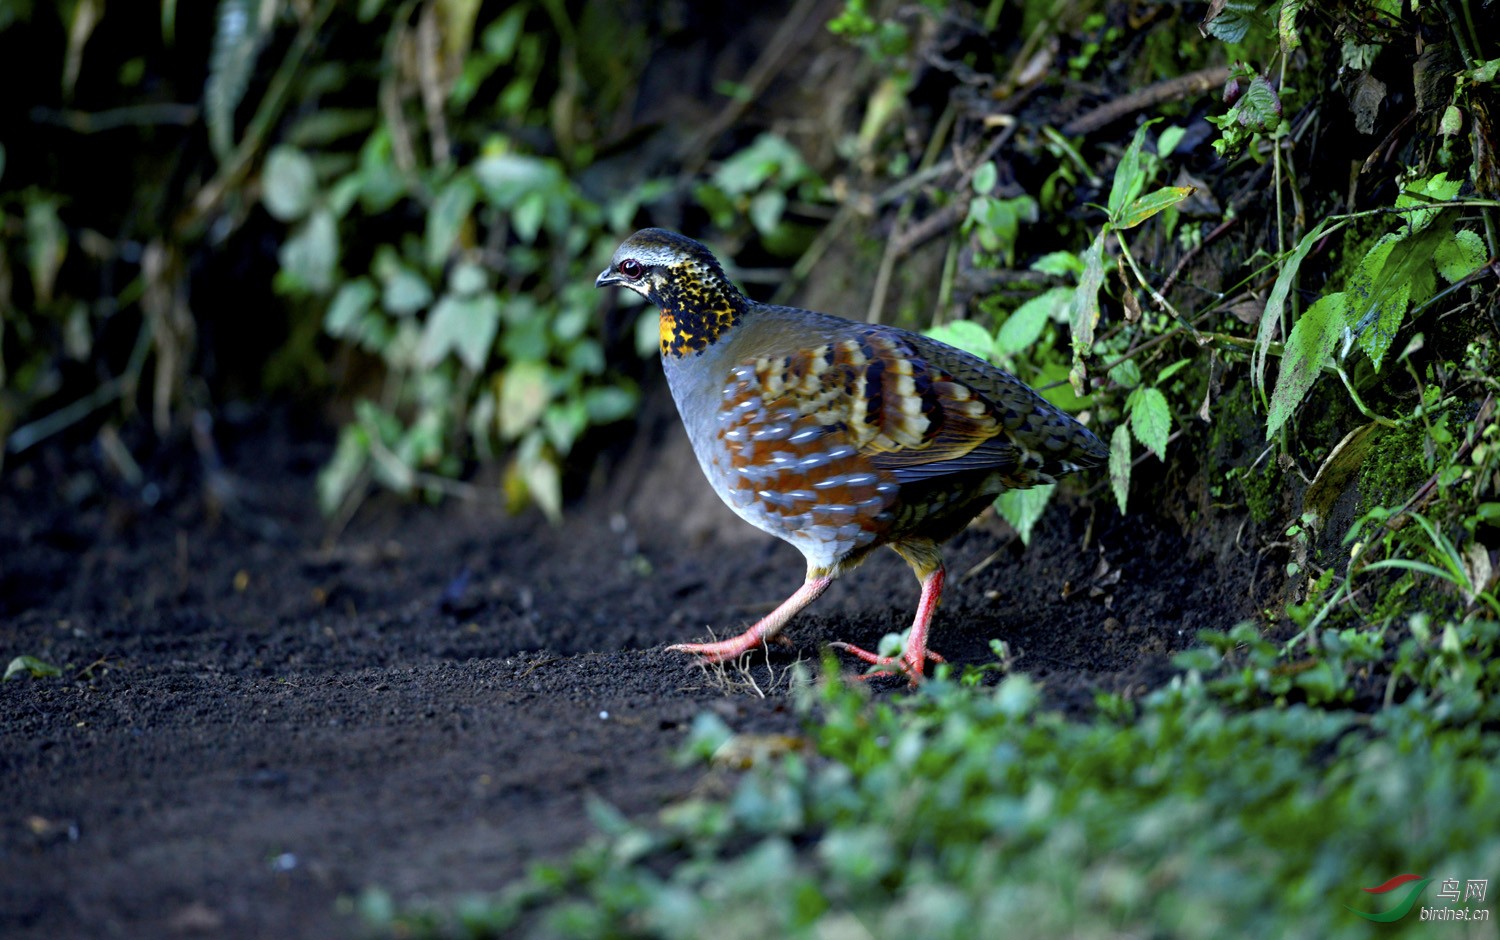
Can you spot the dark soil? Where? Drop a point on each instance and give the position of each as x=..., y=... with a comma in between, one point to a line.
x=254, y=722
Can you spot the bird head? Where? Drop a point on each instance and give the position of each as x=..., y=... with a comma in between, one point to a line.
x=698, y=301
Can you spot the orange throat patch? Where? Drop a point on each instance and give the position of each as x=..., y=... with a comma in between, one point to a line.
x=668, y=323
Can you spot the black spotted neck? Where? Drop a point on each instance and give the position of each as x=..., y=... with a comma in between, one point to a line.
x=698, y=305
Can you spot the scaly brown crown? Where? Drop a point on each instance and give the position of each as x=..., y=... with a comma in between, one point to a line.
x=698, y=302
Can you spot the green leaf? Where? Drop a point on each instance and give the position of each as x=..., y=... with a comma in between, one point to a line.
x=338, y=477
x=1233, y=21
x=1170, y=137
x=1286, y=25
x=463, y=325
x=768, y=156
x=1170, y=371
x=1270, y=318
x=541, y=475
x=237, y=40
x=1024, y=327
x=1060, y=263
x=405, y=292
x=353, y=300
x=1428, y=191
x=1084, y=310
x=288, y=184
x=525, y=391
x=46, y=245
x=467, y=279
x=446, y=218
x=506, y=178
x=966, y=335
x=1150, y=204
x=528, y=215
x=1395, y=273
x=310, y=257
x=1151, y=419
x=1119, y=464
x=1452, y=121
x=381, y=183
x=1023, y=508
x=609, y=403
x=1259, y=108
x=499, y=39
x=31, y=666
x=766, y=209
x=1308, y=349
x=1130, y=179
x=1126, y=374
x=985, y=178
x=1460, y=255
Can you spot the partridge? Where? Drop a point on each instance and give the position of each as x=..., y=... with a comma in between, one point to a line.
x=837, y=436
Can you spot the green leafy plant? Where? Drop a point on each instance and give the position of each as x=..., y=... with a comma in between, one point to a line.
x=757, y=183
x=1396, y=274
x=965, y=809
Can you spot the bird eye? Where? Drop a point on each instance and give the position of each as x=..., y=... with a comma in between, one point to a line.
x=631, y=268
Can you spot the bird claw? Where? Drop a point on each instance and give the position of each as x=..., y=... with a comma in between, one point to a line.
x=906, y=664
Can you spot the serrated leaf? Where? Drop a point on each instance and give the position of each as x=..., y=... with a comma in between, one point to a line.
x=1083, y=313
x=446, y=218
x=1023, y=508
x=1395, y=273
x=1024, y=327
x=1151, y=419
x=1150, y=204
x=1286, y=25
x=1119, y=464
x=966, y=335
x=1270, y=318
x=462, y=325
x=1231, y=21
x=1308, y=349
x=1459, y=256
x=288, y=184
x=1428, y=191
x=1259, y=108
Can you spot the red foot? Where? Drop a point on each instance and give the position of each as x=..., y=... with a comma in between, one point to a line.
x=907, y=662
x=724, y=650
x=763, y=632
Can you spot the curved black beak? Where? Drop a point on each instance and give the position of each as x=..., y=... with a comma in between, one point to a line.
x=606, y=278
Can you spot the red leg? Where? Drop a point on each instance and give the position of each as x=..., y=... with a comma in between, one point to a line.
x=762, y=632
x=915, y=658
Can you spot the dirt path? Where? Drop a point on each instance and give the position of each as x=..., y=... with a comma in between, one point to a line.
x=270, y=725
